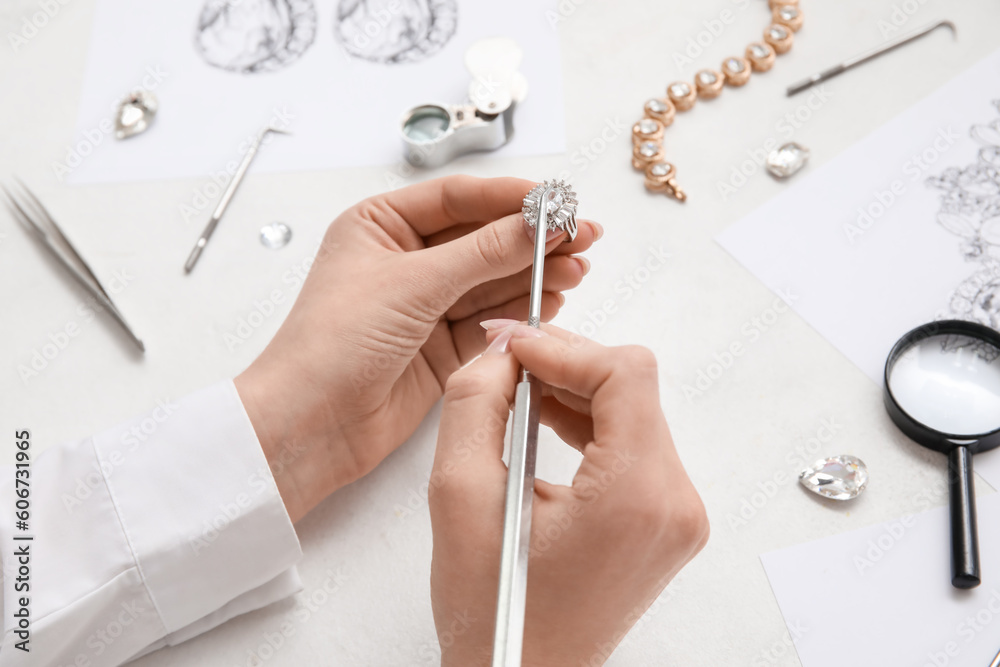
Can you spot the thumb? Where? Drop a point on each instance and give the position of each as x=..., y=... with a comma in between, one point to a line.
x=495, y=250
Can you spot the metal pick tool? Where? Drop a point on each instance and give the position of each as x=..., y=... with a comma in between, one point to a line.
x=227, y=196
x=851, y=63
x=434, y=134
x=550, y=206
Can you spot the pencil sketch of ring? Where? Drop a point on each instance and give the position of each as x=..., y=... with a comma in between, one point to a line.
x=395, y=31
x=970, y=210
x=251, y=36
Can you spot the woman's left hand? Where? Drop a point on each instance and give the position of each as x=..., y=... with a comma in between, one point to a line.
x=390, y=309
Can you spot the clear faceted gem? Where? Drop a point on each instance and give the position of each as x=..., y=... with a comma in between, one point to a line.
x=135, y=114
x=777, y=33
x=656, y=106
x=786, y=160
x=759, y=51
x=680, y=90
x=706, y=77
x=660, y=169
x=553, y=204
x=838, y=477
x=648, y=126
x=734, y=65
x=648, y=149
x=275, y=235
x=788, y=13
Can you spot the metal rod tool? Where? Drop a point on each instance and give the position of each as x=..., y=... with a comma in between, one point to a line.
x=227, y=197
x=548, y=207
x=851, y=63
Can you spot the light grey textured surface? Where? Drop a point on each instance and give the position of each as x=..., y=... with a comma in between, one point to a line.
x=734, y=439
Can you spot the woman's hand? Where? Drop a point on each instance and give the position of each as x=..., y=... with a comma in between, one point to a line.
x=391, y=308
x=601, y=549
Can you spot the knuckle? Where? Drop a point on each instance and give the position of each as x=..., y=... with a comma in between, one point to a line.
x=465, y=384
x=454, y=189
x=688, y=522
x=637, y=359
x=677, y=520
x=493, y=246
x=635, y=365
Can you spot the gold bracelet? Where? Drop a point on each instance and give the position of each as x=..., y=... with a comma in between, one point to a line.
x=647, y=134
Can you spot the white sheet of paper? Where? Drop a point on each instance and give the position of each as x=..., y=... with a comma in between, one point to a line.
x=861, y=242
x=863, y=282
x=343, y=111
x=882, y=595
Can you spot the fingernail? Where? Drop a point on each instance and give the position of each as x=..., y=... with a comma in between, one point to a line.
x=562, y=299
x=584, y=262
x=490, y=325
x=599, y=229
x=499, y=345
x=524, y=331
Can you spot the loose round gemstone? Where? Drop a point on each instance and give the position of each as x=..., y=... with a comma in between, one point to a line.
x=680, y=90
x=777, y=32
x=656, y=106
x=759, y=51
x=734, y=65
x=648, y=149
x=660, y=169
x=648, y=126
x=706, y=77
x=275, y=235
x=788, y=13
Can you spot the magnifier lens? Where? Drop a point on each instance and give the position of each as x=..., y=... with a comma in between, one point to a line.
x=426, y=124
x=950, y=383
x=942, y=389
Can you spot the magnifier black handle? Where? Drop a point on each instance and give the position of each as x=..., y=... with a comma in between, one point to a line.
x=964, y=537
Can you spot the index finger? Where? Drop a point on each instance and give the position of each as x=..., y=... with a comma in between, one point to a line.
x=443, y=202
x=622, y=383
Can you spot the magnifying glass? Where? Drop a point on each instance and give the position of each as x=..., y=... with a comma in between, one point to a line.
x=942, y=389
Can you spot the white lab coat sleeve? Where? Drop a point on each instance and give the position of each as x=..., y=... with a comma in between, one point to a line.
x=144, y=535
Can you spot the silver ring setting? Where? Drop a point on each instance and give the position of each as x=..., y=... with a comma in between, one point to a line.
x=560, y=207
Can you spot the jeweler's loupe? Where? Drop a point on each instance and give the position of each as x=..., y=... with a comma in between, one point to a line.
x=434, y=134
x=942, y=389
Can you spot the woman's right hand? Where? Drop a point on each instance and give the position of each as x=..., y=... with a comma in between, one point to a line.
x=602, y=549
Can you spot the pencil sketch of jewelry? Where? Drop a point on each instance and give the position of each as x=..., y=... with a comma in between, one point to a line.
x=395, y=31
x=970, y=209
x=250, y=36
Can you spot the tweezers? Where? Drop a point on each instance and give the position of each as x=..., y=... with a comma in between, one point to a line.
x=61, y=248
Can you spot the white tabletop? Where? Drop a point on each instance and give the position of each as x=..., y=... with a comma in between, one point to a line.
x=734, y=439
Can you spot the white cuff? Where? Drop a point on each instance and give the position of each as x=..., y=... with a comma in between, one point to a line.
x=147, y=534
x=198, y=504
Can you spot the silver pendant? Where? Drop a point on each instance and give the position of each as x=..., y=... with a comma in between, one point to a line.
x=135, y=114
